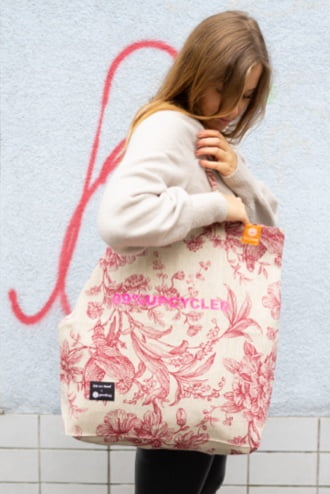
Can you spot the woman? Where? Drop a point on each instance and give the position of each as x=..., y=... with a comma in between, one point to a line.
x=215, y=91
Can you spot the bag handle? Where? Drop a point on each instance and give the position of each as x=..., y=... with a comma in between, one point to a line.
x=212, y=180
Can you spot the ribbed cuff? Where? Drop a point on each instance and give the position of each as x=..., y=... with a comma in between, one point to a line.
x=208, y=208
x=240, y=177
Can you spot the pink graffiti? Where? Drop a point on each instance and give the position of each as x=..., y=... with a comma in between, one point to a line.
x=89, y=187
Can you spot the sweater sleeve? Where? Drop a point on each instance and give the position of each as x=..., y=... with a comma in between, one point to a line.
x=146, y=201
x=260, y=203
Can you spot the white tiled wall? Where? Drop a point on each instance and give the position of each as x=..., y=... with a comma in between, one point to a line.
x=36, y=458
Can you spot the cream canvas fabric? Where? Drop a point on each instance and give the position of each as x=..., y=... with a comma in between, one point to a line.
x=175, y=348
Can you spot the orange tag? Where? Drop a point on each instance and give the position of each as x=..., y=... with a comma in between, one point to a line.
x=251, y=234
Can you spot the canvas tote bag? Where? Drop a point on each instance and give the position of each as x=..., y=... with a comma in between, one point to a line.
x=175, y=348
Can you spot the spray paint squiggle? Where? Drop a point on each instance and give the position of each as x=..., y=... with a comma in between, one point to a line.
x=89, y=187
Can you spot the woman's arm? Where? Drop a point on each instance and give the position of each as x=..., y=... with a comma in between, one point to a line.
x=260, y=202
x=214, y=152
x=156, y=196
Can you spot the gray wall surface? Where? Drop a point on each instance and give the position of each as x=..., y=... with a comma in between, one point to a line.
x=55, y=63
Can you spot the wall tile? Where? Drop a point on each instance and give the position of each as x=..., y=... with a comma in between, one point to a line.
x=19, y=488
x=74, y=466
x=283, y=469
x=122, y=489
x=122, y=448
x=236, y=470
x=73, y=489
x=52, y=435
x=18, y=465
x=290, y=434
x=324, y=478
x=286, y=458
x=232, y=490
x=122, y=467
x=282, y=490
x=325, y=434
x=18, y=431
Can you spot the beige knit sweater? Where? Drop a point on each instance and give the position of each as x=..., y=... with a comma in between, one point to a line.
x=159, y=192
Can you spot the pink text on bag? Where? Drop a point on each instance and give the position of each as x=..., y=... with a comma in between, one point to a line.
x=173, y=302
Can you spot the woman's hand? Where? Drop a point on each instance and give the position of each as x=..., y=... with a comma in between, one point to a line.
x=211, y=143
x=236, y=209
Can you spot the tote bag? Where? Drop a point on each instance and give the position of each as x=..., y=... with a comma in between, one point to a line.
x=175, y=348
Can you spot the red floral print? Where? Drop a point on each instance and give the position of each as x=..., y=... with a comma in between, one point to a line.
x=175, y=386
x=181, y=417
x=94, y=310
x=153, y=431
x=70, y=372
x=195, y=243
x=251, y=390
x=116, y=425
x=136, y=282
x=273, y=299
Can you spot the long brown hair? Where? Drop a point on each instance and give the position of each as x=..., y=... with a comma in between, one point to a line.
x=220, y=50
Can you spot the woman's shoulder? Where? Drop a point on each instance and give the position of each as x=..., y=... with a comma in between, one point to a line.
x=170, y=121
x=167, y=132
x=165, y=129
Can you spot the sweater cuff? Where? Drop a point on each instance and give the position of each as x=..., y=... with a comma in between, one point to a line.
x=208, y=208
x=240, y=177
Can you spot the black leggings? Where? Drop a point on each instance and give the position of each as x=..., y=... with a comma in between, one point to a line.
x=164, y=471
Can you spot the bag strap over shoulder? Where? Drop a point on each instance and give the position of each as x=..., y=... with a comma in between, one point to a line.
x=211, y=178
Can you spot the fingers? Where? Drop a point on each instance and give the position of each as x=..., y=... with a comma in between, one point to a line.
x=215, y=140
x=245, y=219
x=215, y=165
x=211, y=148
x=215, y=152
x=236, y=209
x=240, y=211
x=222, y=163
x=208, y=143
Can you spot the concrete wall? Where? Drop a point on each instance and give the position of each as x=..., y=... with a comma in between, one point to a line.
x=55, y=59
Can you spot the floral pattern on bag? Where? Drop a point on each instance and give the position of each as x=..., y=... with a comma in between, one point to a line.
x=165, y=345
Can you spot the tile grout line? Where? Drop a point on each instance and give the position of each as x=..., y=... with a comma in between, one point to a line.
x=37, y=451
x=318, y=456
x=39, y=454
x=109, y=470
